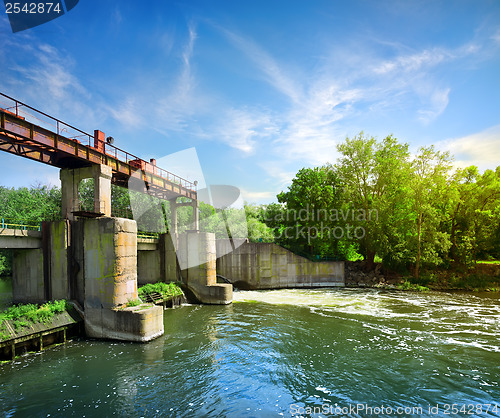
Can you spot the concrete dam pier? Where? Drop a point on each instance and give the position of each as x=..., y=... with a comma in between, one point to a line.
x=95, y=261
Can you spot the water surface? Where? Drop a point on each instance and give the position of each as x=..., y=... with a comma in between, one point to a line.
x=275, y=353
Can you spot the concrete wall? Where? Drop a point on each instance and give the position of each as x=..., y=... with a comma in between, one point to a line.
x=27, y=276
x=195, y=247
x=58, y=259
x=269, y=266
x=148, y=267
x=156, y=260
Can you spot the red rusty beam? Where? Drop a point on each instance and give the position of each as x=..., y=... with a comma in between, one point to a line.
x=23, y=138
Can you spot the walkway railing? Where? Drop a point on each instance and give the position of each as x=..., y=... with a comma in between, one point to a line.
x=15, y=107
x=6, y=224
x=22, y=225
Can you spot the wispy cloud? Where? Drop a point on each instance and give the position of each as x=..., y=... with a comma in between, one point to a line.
x=274, y=73
x=243, y=129
x=481, y=149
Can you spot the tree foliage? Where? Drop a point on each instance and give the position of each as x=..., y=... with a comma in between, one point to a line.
x=414, y=211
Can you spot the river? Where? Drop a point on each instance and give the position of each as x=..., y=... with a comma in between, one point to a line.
x=280, y=353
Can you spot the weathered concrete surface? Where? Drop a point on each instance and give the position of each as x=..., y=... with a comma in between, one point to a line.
x=139, y=323
x=269, y=266
x=110, y=261
x=148, y=267
x=156, y=260
x=20, y=239
x=168, y=258
x=70, y=180
x=201, y=279
x=27, y=276
x=110, y=274
x=58, y=259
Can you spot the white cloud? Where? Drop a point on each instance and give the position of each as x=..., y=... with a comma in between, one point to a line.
x=243, y=129
x=257, y=197
x=481, y=149
x=128, y=113
x=438, y=101
x=273, y=71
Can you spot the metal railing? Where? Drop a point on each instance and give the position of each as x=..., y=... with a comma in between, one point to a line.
x=14, y=224
x=87, y=139
x=6, y=224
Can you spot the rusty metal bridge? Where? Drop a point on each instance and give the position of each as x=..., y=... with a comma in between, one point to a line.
x=61, y=145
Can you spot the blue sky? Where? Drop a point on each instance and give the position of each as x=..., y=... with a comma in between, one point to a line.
x=261, y=89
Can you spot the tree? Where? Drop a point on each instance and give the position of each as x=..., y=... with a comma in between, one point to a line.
x=430, y=185
x=303, y=221
x=375, y=179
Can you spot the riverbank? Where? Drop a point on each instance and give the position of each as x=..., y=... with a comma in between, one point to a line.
x=482, y=277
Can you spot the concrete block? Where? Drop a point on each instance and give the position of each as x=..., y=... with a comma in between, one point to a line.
x=27, y=276
x=139, y=323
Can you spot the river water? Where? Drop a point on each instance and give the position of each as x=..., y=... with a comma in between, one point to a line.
x=280, y=353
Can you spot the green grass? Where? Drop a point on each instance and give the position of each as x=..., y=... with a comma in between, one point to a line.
x=165, y=289
x=133, y=302
x=24, y=315
x=406, y=285
x=489, y=262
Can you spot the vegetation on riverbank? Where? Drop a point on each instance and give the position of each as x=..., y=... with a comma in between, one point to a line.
x=24, y=315
x=415, y=213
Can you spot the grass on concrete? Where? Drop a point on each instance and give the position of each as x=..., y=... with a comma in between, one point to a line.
x=24, y=315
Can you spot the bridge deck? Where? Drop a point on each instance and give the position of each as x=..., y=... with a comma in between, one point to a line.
x=26, y=139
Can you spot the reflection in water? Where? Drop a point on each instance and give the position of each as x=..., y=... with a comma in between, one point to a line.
x=5, y=293
x=273, y=349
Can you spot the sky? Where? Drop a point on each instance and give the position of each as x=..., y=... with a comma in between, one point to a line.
x=250, y=92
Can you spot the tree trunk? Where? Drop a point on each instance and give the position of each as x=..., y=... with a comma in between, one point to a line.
x=370, y=260
x=419, y=232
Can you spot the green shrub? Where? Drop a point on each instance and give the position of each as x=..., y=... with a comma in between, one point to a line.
x=165, y=289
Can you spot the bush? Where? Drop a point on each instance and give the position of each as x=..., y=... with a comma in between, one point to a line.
x=165, y=289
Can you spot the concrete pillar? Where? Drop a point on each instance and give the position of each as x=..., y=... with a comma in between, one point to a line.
x=71, y=178
x=110, y=262
x=197, y=253
x=102, y=192
x=173, y=217
x=168, y=259
x=110, y=275
x=58, y=240
x=196, y=215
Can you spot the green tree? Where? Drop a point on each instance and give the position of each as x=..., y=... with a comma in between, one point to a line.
x=431, y=193
x=302, y=221
x=375, y=179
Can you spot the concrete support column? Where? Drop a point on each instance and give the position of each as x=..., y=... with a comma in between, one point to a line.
x=197, y=255
x=102, y=189
x=70, y=180
x=57, y=252
x=196, y=215
x=110, y=262
x=110, y=275
x=173, y=217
